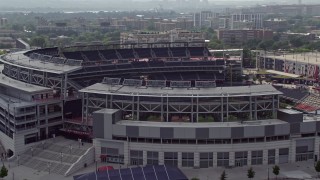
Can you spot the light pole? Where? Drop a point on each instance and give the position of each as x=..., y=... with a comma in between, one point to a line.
x=79, y=142
x=18, y=158
x=70, y=147
x=42, y=142
x=61, y=156
x=31, y=151
x=268, y=171
x=48, y=165
x=53, y=137
x=96, y=165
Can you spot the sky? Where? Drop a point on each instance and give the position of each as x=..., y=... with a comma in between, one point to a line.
x=124, y=4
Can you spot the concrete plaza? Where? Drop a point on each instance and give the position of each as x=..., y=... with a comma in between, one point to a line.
x=300, y=170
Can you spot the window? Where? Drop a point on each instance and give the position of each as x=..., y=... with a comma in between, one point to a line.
x=136, y=157
x=111, y=155
x=271, y=156
x=206, y=160
x=241, y=158
x=152, y=158
x=223, y=159
x=171, y=158
x=283, y=155
x=30, y=138
x=256, y=157
x=303, y=154
x=187, y=159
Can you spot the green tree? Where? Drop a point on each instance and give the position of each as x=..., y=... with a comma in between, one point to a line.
x=3, y=172
x=39, y=41
x=223, y=175
x=276, y=170
x=297, y=41
x=251, y=173
x=317, y=167
x=194, y=178
x=2, y=52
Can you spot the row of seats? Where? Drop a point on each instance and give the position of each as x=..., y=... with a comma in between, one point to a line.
x=295, y=94
x=98, y=55
x=309, y=103
x=147, y=64
x=161, y=172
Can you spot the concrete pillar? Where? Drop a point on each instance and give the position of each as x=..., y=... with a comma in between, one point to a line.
x=179, y=159
x=126, y=161
x=47, y=132
x=97, y=150
x=265, y=156
x=196, y=160
x=144, y=155
x=249, y=158
x=215, y=159
x=161, y=158
x=277, y=156
x=292, y=151
x=316, y=146
x=231, y=159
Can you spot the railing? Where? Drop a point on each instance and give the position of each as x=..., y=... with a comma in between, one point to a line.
x=87, y=158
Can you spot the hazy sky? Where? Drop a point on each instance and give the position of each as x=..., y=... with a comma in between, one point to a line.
x=124, y=4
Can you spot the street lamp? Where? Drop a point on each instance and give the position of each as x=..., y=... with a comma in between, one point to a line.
x=31, y=151
x=268, y=169
x=42, y=142
x=96, y=165
x=18, y=158
x=48, y=165
x=70, y=147
x=61, y=156
x=79, y=142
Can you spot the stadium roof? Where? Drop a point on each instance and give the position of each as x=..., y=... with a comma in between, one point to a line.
x=307, y=58
x=235, y=91
x=201, y=125
x=20, y=60
x=283, y=73
x=29, y=88
x=156, y=172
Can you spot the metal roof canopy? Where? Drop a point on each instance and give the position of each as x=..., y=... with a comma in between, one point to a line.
x=235, y=91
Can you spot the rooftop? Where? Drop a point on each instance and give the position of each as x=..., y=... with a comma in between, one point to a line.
x=29, y=88
x=234, y=91
x=283, y=73
x=20, y=60
x=307, y=58
x=12, y=103
x=290, y=111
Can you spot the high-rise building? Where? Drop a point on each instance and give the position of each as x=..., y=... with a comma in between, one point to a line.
x=3, y=22
x=244, y=21
x=201, y=18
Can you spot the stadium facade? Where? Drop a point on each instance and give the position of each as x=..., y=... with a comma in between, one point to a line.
x=303, y=64
x=170, y=105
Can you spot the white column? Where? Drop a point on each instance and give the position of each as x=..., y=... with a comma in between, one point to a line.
x=97, y=149
x=265, y=156
x=144, y=158
x=249, y=158
x=161, y=158
x=316, y=146
x=231, y=159
x=215, y=159
x=292, y=151
x=126, y=153
x=179, y=159
x=196, y=160
x=277, y=156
